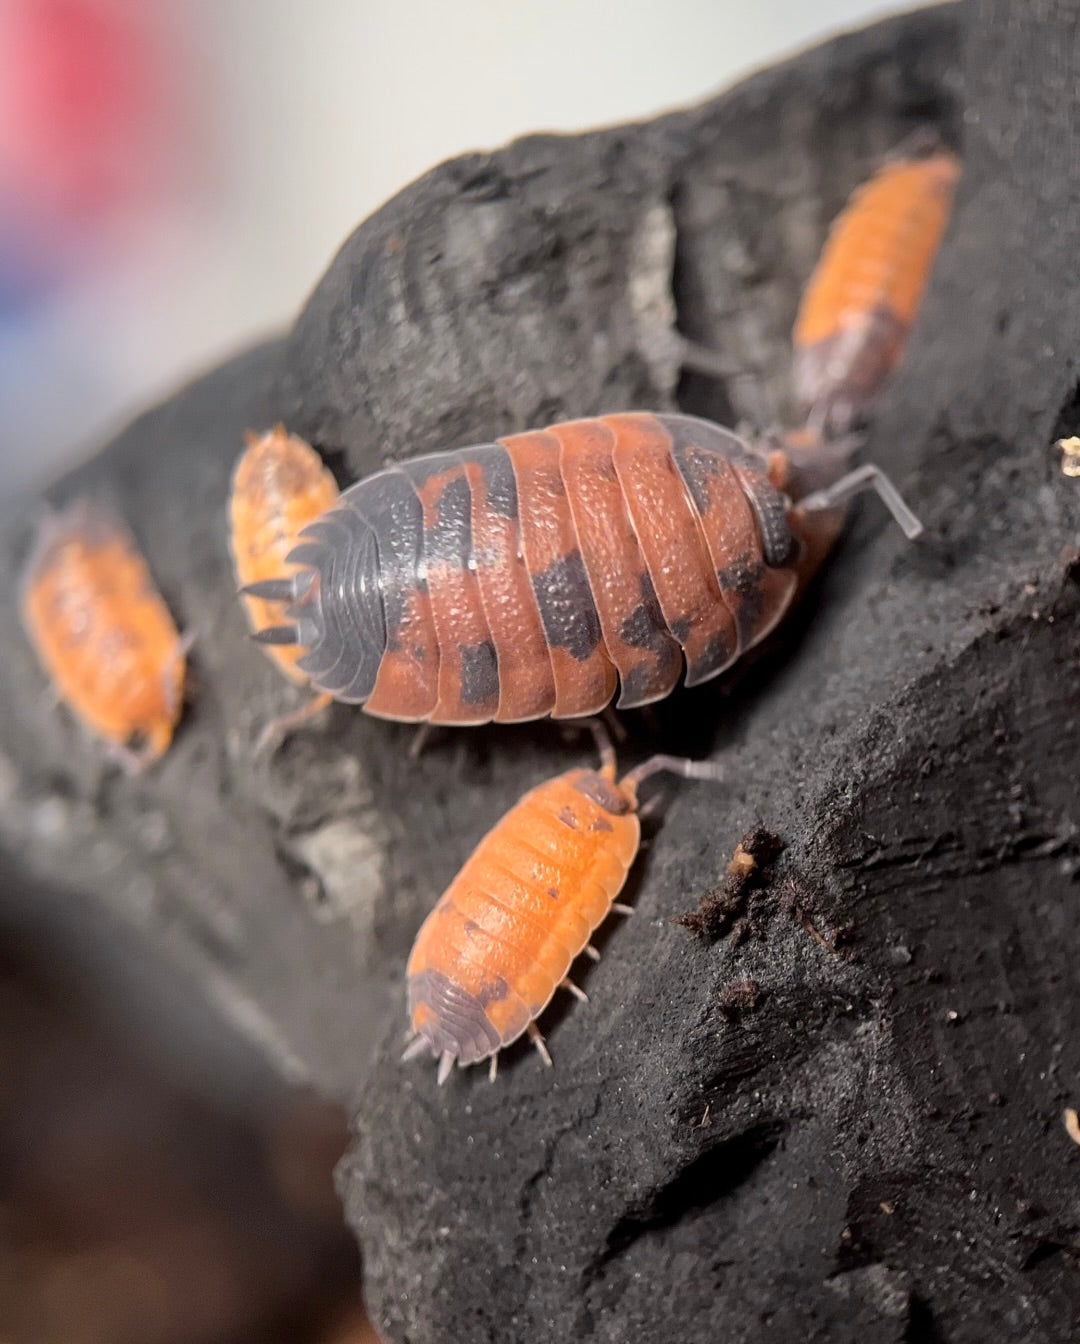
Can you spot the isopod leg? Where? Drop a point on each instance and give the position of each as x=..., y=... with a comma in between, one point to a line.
x=702, y=359
x=650, y=808
x=603, y=729
x=919, y=144
x=613, y=723
x=697, y=358
x=538, y=1041
x=419, y=742
x=571, y=988
x=416, y=1046
x=604, y=747
x=493, y=1068
x=446, y=1063
x=602, y=738
x=867, y=477
x=277, y=730
x=132, y=762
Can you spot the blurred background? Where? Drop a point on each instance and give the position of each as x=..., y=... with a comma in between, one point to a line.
x=174, y=177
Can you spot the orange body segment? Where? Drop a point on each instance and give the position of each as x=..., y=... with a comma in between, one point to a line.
x=865, y=293
x=526, y=681
x=755, y=593
x=647, y=658
x=407, y=687
x=468, y=674
x=280, y=485
x=489, y=957
x=672, y=543
x=103, y=632
x=584, y=675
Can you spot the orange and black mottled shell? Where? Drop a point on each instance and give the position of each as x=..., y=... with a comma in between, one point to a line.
x=103, y=632
x=864, y=295
x=535, y=575
x=280, y=485
x=489, y=957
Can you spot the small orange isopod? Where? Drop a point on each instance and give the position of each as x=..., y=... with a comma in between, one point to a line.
x=280, y=485
x=103, y=633
x=865, y=292
x=490, y=956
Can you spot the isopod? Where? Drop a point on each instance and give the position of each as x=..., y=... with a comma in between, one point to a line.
x=280, y=484
x=103, y=633
x=490, y=956
x=865, y=292
x=534, y=575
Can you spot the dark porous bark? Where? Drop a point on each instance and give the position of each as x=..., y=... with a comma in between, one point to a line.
x=842, y=1120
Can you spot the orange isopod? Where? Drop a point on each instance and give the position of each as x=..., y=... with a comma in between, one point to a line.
x=103, y=633
x=280, y=485
x=490, y=956
x=865, y=292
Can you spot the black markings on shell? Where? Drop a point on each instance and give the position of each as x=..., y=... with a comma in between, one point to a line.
x=643, y=684
x=479, y=673
x=717, y=655
x=645, y=628
x=696, y=445
x=500, y=484
x=448, y=536
x=566, y=607
x=743, y=580
x=770, y=511
x=389, y=504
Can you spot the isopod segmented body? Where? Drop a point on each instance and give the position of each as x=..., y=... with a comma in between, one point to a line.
x=533, y=575
x=865, y=292
x=103, y=633
x=280, y=484
x=501, y=939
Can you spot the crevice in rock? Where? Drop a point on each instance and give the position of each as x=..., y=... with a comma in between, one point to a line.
x=710, y=1177
x=921, y=1326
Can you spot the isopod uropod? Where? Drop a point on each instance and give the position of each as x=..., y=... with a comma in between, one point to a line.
x=103, y=633
x=866, y=290
x=531, y=576
x=501, y=939
x=280, y=484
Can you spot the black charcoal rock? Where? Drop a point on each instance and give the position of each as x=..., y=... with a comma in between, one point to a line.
x=845, y=1161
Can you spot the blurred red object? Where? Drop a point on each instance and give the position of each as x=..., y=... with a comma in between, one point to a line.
x=91, y=117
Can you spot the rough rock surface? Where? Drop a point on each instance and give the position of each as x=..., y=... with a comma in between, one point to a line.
x=872, y=1147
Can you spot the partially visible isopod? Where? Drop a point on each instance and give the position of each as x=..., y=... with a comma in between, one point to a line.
x=490, y=956
x=103, y=632
x=865, y=292
x=279, y=486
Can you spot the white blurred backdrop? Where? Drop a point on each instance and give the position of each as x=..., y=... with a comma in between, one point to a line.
x=175, y=176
